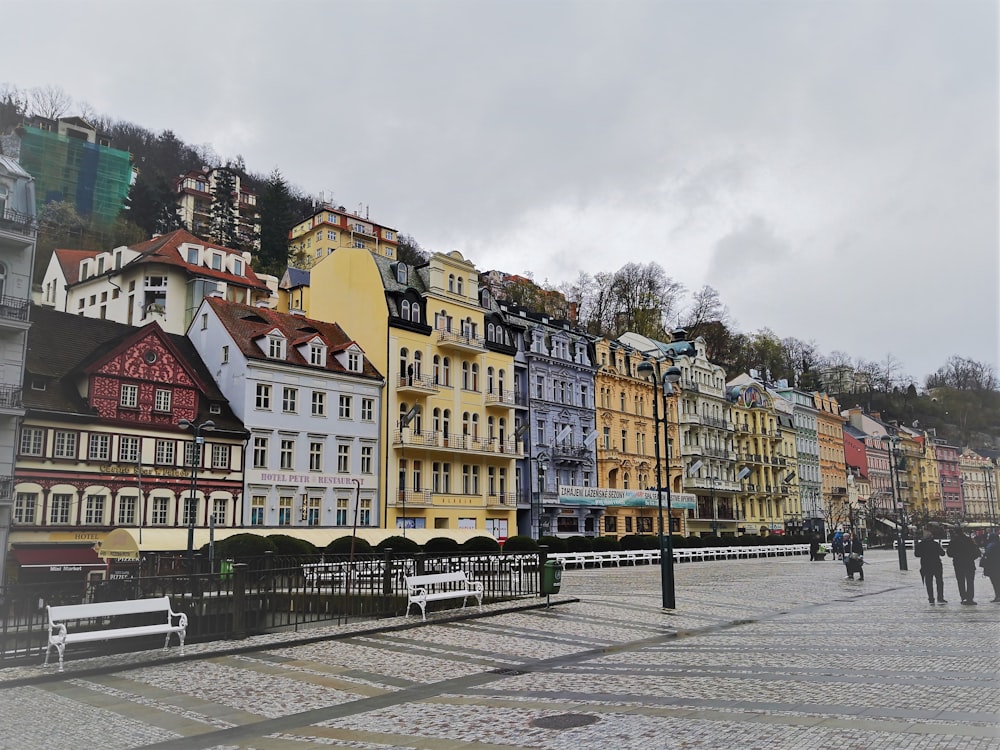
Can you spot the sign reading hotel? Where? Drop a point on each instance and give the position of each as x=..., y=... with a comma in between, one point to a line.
x=311, y=480
x=572, y=495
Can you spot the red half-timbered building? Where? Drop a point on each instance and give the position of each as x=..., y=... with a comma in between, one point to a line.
x=103, y=447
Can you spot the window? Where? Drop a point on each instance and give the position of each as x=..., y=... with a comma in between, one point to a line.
x=276, y=347
x=32, y=439
x=354, y=362
x=263, y=396
x=65, y=444
x=342, y=506
x=128, y=449
x=290, y=400
x=219, y=511
x=367, y=409
x=366, y=513
x=343, y=459
x=315, y=456
x=94, y=510
x=367, y=458
x=59, y=509
x=204, y=321
x=237, y=267
x=318, y=404
x=312, y=512
x=216, y=262
x=287, y=453
x=159, y=515
x=24, y=507
x=129, y=396
x=257, y=510
x=345, y=406
x=285, y=510
x=221, y=456
x=259, y=452
x=165, y=452
x=99, y=447
x=126, y=510
x=644, y=524
x=162, y=400
x=317, y=354
x=611, y=524
x=225, y=355
x=192, y=454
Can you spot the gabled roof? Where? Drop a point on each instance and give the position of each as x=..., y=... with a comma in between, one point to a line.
x=165, y=250
x=81, y=343
x=294, y=278
x=69, y=262
x=246, y=325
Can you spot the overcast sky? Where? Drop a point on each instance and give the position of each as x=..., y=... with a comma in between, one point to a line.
x=829, y=166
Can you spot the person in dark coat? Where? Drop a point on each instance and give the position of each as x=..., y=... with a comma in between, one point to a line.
x=854, y=551
x=963, y=553
x=991, y=564
x=929, y=551
x=814, y=548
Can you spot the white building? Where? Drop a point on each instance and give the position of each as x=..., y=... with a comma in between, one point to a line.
x=17, y=256
x=163, y=279
x=311, y=401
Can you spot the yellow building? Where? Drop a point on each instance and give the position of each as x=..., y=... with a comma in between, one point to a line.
x=758, y=444
x=788, y=482
x=445, y=348
x=978, y=478
x=832, y=465
x=332, y=228
x=626, y=455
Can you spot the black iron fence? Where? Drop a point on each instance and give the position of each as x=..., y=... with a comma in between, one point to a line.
x=260, y=595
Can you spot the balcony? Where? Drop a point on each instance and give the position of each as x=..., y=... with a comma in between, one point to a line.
x=6, y=487
x=455, y=442
x=14, y=312
x=15, y=222
x=417, y=384
x=500, y=400
x=461, y=342
x=689, y=418
x=689, y=386
x=414, y=498
x=570, y=453
x=501, y=498
x=11, y=398
x=721, y=424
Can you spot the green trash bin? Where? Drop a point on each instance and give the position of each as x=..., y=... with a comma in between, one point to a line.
x=225, y=569
x=551, y=577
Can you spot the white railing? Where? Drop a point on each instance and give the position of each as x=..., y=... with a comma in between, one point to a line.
x=682, y=554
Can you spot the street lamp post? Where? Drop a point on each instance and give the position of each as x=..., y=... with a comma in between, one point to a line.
x=404, y=422
x=191, y=507
x=543, y=464
x=665, y=381
x=891, y=441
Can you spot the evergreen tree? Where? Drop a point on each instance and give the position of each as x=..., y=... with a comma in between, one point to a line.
x=223, y=227
x=276, y=218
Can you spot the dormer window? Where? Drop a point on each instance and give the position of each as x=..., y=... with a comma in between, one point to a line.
x=354, y=361
x=401, y=273
x=276, y=346
x=192, y=256
x=238, y=266
x=216, y=262
x=317, y=354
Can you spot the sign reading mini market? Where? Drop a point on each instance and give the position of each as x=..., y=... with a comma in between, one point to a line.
x=572, y=495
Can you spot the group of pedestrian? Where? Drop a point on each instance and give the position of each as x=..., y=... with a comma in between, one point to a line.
x=963, y=552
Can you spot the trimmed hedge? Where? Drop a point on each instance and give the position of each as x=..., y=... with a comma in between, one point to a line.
x=342, y=546
x=242, y=546
x=554, y=543
x=442, y=544
x=605, y=544
x=481, y=544
x=520, y=543
x=579, y=544
x=399, y=544
x=291, y=545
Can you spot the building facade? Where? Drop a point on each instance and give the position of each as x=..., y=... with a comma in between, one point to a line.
x=807, y=470
x=333, y=227
x=195, y=191
x=103, y=445
x=837, y=507
x=311, y=401
x=17, y=258
x=163, y=280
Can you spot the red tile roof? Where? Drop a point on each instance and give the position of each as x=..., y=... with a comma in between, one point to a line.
x=164, y=249
x=69, y=261
x=247, y=324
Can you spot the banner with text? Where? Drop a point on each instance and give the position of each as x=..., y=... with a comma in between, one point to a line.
x=572, y=495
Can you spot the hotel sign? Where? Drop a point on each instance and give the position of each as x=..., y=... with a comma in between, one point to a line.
x=309, y=480
x=572, y=495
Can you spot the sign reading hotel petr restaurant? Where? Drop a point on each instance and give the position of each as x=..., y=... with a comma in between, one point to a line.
x=572, y=495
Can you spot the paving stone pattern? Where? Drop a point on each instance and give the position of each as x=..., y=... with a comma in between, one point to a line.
x=769, y=654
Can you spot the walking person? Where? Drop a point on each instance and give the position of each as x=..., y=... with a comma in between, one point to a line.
x=854, y=556
x=814, y=548
x=838, y=545
x=991, y=564
x=963, y=553
x=930, y=552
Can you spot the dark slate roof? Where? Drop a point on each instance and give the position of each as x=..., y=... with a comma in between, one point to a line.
x=246, y=324
x=854, y=432
x=294, y=278
x=61, y=346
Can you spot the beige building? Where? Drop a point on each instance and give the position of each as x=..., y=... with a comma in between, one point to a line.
x=979, y=487
x=194, y=203
x=332, y=228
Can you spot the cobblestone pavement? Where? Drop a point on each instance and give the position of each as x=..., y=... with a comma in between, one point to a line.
x=771, y=654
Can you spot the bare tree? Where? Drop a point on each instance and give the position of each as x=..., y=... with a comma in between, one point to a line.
x=646, y=298
x=706, y=307
x=49, y=101
x=964, y=374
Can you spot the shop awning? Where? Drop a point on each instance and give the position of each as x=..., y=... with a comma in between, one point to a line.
x=57, y=556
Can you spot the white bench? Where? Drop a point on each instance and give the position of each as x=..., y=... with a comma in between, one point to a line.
x=59, y=634
x=438, y=586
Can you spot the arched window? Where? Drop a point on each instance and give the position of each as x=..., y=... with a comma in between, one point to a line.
x=436, y=420
x=418, y=362
x=502, y=422
x=489, y=380
x=625, y=481
x=446, y=422
x=404, y=361
x=490, y=332
x=415, y=312
x=446, y=371
x=404, y=309
x=475, y=426
x=451, y=282
x=490, y=428
x=459, y=286
x=475, y=377
x=466, y=423
x=500, y=381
